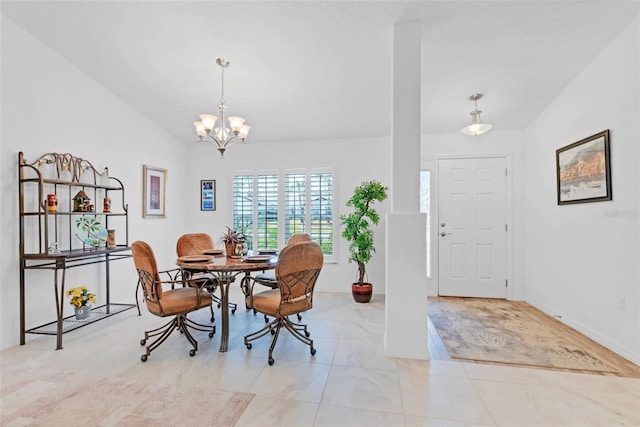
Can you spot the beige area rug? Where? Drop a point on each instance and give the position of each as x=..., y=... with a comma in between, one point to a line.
x=513, y=332
x=55, y=398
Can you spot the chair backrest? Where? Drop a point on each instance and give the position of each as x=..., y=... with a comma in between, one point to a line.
x=145, y=262
x=297, y=271
x=298, y=238
x=193, y=244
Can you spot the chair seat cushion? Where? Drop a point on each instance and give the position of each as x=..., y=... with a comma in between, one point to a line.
x=270, y=275
x=203, y=276
x=207, y=280
x=267, y=279
x=178, y=301
x=268, y=302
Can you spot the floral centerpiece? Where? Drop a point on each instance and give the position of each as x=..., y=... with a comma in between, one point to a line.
x=81, y=300
x=234, y=239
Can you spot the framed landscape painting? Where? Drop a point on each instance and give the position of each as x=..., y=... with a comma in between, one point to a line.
x=208, y=195
x=584, y=170
x=154, y=192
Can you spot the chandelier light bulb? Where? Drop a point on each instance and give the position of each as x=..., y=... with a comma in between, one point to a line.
x=208, y=121
x=476, y=127
x=200, y=129
x=236, y=123
x=244, y=131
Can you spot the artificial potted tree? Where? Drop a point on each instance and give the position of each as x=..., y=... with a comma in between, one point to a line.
x=358, y=233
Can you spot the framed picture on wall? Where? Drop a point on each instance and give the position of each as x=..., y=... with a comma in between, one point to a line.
x=208, y=195
x=584, y=170
x=154, y=192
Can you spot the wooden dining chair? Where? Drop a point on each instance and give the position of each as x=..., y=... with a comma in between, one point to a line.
x=297, y=271
x=268, y=278
x=196, y=244
x=175, y=301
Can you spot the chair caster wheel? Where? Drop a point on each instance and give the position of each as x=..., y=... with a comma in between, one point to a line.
x=313, y=351
x=218, y=305
x=233, y=311
x=307, y=334
x=143, y=357
x=249, y=346
x=299, y=317
x=143, y=342
x=210, y=334
x=272, y=332
x=192, y=352
x=213, y=319
x=271, y=361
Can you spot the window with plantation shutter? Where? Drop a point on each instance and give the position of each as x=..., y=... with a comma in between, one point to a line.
x=266, y=209
x=243, y=204
x=295, y=203
x=321, y=203
x=286, y=203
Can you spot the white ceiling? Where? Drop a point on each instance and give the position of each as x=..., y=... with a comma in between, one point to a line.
x=322, y=69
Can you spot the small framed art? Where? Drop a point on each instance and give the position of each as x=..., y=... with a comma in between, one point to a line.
x=584, y=170
x=208, y=195
x=154, y=192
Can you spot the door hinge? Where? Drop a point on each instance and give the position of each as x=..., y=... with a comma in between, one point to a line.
x=506, y=227
x=506, y=283
x=506, y=172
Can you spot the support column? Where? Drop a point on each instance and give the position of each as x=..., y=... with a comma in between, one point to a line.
x=406, y=281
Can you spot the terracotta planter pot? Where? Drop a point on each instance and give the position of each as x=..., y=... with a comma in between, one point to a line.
x=361, y=293
x=230, y=249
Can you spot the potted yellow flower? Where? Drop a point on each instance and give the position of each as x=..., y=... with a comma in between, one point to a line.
x=81, y=300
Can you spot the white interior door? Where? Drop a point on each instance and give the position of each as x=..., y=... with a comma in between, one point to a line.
x=472, y=227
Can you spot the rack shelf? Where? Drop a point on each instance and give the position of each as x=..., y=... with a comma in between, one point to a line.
x=70, y=323
x=47, y=239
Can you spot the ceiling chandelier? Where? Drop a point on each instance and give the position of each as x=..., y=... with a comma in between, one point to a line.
x=476, y=127
x=221, y=136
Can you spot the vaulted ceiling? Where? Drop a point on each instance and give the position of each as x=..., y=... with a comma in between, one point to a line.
x=305, y=70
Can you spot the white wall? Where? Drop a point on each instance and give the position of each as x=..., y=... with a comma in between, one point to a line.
x=582, y=259
x=355, y=160
x=48, y=105
x=508, y=144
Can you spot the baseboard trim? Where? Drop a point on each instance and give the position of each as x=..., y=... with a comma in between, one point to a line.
x=418, y=353
x=586, y=332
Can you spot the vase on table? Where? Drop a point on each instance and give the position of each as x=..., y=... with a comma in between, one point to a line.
x=230, y=249
x=83, y=312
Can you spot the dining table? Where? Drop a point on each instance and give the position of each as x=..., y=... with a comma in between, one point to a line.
x=224, y=270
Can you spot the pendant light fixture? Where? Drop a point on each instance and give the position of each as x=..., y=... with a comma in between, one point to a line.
x=476, y=127
x=221, y=136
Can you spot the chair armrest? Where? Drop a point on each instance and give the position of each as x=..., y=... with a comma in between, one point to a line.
x=174, y=274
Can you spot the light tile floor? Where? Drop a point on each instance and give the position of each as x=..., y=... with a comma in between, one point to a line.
x=349, y=382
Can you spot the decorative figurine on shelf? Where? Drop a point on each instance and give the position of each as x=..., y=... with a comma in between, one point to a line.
x=52, y=203
x=111, y=239
x=53, y=248
x=82, y=202
x=106, y=205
